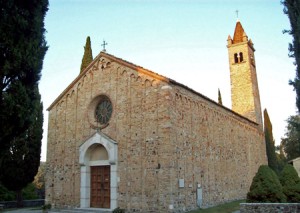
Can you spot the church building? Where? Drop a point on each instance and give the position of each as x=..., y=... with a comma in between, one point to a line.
x=123, y=136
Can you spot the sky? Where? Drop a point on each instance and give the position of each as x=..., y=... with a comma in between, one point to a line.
x=184, y=40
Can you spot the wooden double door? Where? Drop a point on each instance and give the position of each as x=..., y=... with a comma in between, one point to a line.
x=100, y=187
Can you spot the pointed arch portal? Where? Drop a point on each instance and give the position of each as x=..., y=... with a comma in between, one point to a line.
x=98, y=173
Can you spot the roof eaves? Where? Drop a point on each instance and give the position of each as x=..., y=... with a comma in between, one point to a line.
x=74, y=82
x=146, y=72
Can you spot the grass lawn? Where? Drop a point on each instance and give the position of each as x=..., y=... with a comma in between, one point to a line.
x=224, y=208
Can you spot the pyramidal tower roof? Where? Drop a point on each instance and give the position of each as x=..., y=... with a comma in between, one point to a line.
x=239, y=33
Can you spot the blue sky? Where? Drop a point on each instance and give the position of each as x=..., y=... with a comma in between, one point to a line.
x=183, y=40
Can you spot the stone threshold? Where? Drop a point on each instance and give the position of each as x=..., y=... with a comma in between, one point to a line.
x=79, y=210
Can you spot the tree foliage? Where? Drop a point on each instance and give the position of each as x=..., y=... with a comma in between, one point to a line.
x=292, y=9
x=22, y=48
x=87, y=56
x=39, y=180
x=28, y=193
x=291, y=141
x=280, y=158
x=265, y=187
x=270, y=146
x=290, y=182
x=289, y=176
x=5, y=194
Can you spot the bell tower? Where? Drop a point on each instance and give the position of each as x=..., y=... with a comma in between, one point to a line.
x=244, y=87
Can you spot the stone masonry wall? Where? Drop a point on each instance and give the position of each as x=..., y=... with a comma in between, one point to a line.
x=138, y=125
x=270, y=207
x=164, y=133
x=244, y=86
x=215, y=148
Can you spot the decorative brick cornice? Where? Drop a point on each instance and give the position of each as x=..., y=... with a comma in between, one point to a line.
x=140, y=70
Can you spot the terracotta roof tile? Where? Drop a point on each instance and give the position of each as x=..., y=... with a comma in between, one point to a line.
x=238, y=33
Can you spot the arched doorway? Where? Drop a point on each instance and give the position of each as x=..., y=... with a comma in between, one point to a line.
x=98, y=187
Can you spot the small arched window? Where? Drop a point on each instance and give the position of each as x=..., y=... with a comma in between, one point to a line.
x=236, y=60
x=241, y=57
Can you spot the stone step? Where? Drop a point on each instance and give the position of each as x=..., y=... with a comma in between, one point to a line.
x=89, y=210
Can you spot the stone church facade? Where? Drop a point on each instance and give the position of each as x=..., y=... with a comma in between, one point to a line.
x=123, y=136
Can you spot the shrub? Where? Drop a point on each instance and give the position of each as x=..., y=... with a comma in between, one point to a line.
x=6, y=195
x=265, y=187
x=46, y=206
x=118, y=210
x=289, y=176
x=290, y=182
x=29, y=192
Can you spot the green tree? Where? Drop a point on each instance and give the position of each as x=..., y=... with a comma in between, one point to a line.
x=291, y=141
x=28, y=193
x=219, y=97
x=22, y=47
x=290, y=182
x=270, y=147
x=265, y=187
x=292, y=9
x=87, y=56
x=280, y=158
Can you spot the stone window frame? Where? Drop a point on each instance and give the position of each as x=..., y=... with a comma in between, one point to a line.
x=92, y=108
x=238, y=57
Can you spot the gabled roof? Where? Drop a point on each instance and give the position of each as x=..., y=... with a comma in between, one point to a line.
x=239, y=33
x=141, y=70
x=296, y=159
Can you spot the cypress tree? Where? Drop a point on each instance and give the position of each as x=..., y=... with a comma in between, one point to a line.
x=290, y=182
x=219, y=97
x=270, y=147
x=265, y=187
x=292, y=9
x=22, y=47
x=87, y=56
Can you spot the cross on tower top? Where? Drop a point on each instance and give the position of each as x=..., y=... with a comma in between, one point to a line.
x=103, y=45
x=237, y=14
